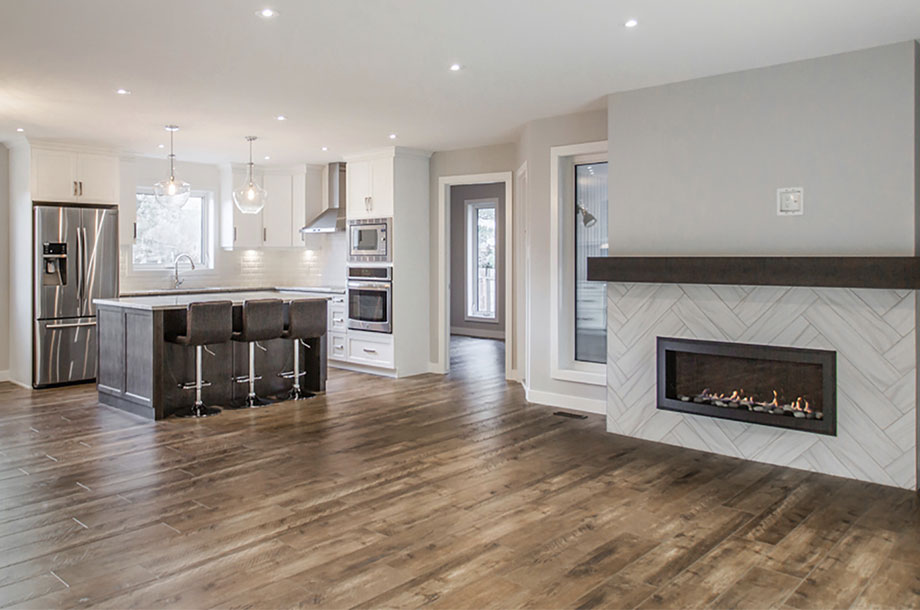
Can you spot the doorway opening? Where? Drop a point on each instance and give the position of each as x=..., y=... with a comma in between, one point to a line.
x=474, y=304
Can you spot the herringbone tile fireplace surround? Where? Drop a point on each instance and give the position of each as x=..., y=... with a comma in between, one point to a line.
x=872, y=331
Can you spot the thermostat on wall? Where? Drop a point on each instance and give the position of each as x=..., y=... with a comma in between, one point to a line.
x=790, y=201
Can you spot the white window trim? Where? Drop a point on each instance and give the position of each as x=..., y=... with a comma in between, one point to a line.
x=563, y=365
x=471, y=207
x=207, y=227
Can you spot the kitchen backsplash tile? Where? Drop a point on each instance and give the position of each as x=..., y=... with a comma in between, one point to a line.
x=320, y=263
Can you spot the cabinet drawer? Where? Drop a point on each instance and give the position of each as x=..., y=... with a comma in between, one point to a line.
x=338, y=318
x=363, y=349
x=338, y=349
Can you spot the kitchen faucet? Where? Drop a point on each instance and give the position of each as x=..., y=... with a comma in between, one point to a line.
x=177, y=282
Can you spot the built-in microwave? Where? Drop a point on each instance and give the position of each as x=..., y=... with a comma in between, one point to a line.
x=370, y=298
x=369, y=240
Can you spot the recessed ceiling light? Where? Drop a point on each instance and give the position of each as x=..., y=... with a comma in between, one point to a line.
x=267, y=157
x=325, y=148
x=267, y=13
x=392, y=136
x=281, y=117
x=20, y=129
x=455, y=67
x=123, y=92
x=161, y=146
x=631, y=23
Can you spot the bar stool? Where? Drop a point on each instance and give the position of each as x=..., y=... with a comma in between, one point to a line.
x=206, y=323
x=306, y=320
x=262, y=319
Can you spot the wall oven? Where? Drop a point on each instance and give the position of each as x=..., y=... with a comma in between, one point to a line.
x=370, y=299
x=369, y=240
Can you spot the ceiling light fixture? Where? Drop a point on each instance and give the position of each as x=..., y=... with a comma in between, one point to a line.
x=161, y=146
x=172, y=193
x=123, y=92
x=267, y=13
x=325, y=148
x=631, y=23
x=250, y=198
x=392, y=136
x=281, y=117
x=455, y=67
x=587, y=218
x=20, y=129
x=267, y=158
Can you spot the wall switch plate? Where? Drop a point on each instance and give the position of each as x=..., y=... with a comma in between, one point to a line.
x=790, y=201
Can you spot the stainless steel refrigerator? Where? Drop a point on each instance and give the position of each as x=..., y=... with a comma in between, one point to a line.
x=75, y=261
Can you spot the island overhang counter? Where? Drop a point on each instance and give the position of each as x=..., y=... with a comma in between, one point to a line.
x=141, y=372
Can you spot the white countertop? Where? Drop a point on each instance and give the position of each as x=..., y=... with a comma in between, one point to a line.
x=181, y=301
x=180, y=291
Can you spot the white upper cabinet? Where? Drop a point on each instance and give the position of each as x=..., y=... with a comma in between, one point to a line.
x=276, y=215
x=70, y=176
x=247, y=228
x=370, y=187
x=294, y=197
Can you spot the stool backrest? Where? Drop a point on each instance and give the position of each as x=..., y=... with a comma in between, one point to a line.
x=263, y=319
x=207, y=323
x=307, y=318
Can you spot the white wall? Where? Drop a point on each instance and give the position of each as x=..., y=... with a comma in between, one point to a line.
x=534, y=148
x=4, y=262
x=694, y=166
x=321, y=262
x=20, y=265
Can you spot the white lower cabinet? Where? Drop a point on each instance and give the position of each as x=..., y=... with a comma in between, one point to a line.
x=337, y=349
x=373, y=349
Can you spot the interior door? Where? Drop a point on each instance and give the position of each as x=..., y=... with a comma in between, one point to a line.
x=100, y=252
x=57, y=277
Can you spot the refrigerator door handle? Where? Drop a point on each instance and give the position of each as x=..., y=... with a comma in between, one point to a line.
x=79, y=269
x=85, y=271
x=70, y=325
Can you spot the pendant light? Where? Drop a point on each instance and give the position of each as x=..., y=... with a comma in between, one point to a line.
x=250, y=198
x=172, y=193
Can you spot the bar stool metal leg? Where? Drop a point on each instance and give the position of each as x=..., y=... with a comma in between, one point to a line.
x=252, y=400
x=199, y=409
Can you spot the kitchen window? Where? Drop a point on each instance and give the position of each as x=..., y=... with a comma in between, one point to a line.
x=163, y=233
x=481, y=229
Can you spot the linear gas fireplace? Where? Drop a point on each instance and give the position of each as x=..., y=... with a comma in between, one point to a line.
x=760, y=384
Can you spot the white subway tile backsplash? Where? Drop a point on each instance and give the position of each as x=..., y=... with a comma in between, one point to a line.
x=320, y=263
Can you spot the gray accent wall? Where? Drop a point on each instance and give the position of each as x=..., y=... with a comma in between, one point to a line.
x=694, y=166
x=459, y=195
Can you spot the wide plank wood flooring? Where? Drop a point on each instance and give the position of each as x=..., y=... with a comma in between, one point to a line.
x=449, y=492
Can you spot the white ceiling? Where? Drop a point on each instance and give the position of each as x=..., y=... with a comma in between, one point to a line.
x=349, y=72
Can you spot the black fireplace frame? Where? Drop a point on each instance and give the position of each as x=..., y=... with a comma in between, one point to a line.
x=668, y=346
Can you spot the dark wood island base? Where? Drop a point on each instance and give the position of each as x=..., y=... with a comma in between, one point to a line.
x=140, y=372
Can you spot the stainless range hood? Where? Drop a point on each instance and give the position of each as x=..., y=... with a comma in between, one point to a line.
x=333, y=217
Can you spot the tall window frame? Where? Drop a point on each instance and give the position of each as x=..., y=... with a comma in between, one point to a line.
x=473, y=307
x=563, y=365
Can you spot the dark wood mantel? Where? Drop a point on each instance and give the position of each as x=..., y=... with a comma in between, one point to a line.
x=891, y=272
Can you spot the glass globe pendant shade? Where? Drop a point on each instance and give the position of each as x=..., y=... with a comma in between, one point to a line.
x=172, y=193
x=250, y=198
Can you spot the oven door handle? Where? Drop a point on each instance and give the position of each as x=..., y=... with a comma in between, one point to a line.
x=381, y=286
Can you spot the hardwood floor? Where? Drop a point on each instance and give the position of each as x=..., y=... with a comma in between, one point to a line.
x=444, y=491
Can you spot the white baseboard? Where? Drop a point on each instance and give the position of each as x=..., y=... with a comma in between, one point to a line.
x=5, y=375
x=564, y=401
x=20, y=384
x=480, y=334
x=437, y=368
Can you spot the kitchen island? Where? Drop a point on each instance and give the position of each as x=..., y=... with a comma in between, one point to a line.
x=141, y=372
